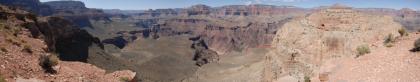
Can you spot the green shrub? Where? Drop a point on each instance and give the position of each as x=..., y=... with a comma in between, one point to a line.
x=362, y=50
x=48, y=61
x=307, y=79
x=2, y=49
x=124, y=79
x=389, y=40
x=27, y=48
x=403, y=32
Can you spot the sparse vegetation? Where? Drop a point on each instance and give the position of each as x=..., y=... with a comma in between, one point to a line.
x=48, y=61
x=389, y=40
x=416, y=46
x=403, y=32
x=362, y=50
x=124, y=79
x=27, y=48
x=13, y=41
x=307, y=79
x=3, y=49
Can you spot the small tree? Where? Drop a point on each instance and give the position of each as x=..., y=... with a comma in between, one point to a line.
x=362, y=50
x=48, y=61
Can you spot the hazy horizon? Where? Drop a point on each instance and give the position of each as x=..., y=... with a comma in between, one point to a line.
x=163, y=4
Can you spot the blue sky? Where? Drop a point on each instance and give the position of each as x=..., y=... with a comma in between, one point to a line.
x=154, y=4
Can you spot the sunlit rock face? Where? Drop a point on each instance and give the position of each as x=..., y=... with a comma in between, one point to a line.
x=305, y=43
x=66, y=5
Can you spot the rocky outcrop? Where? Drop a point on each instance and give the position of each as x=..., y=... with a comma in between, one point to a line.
x=33, y=6
x=76, y=12
x=305, y=43
x=24, y=38
x=60, y=35
x=66, y=5
x=64, y=38
x=203, y=55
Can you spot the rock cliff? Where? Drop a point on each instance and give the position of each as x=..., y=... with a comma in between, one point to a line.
x=30, y=5
x=76, y=12
x=24, y=38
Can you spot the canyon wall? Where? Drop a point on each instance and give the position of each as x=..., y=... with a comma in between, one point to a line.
x=25, y=38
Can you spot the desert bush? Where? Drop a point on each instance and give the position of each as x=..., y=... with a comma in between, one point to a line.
x=307, y=79
x=13, y=41
x=389, y=40
x=48, y=61
x=416, y=46
x=403, y=32
x=362, y=50
x=2, y=49
x=27, y=48
x=124, y=79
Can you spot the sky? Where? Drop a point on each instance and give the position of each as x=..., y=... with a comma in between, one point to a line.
x=159, y=4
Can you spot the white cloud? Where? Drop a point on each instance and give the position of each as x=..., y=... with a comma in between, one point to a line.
x=248, y=2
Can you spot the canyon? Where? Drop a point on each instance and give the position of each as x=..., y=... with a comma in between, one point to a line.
x=245, y=43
